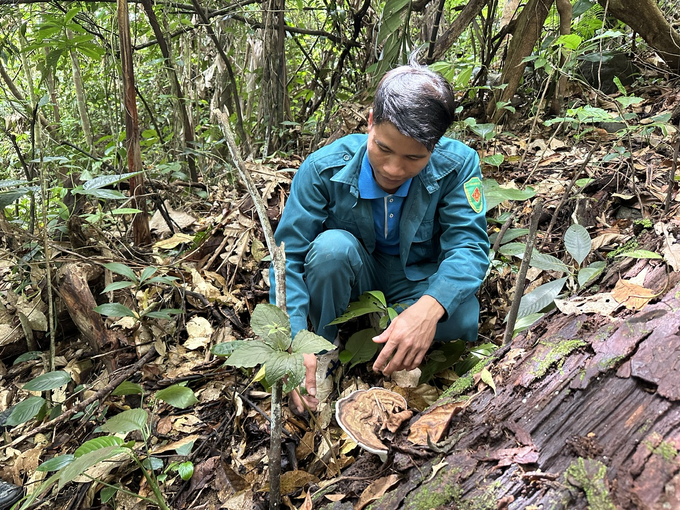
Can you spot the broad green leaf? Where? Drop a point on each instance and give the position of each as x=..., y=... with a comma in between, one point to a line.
x=592, y=271
x=27, y=356
x=640, y=254
x=85, y=462
x=122, y=269
x=177, y=396
x=569, y=41
x=185, y=449
x=510, y=235
x=494, y=194
x=104, y=194
x=108, y=492
x=148, y=272
x=367, y=303
x=487, y=379
x=9, y=197
x=186, y=470
x=56, y=463
x=494, y=160
x=484, y=131
x=24, y=411
x=125, y=210
x=107, y=180
x=249, y=354
x=526, y=322
x=577, y=242
x=362, y=346
x=115, y=310
x=164, y=313
x=306, y=342
x=128, y=388
x=271, y=323
x=540, y=297
x=48, y=381
x=538, y=260
x=96, y=444
x=378, y=296
x=127, y=421
x=450, y=353
x=276, y=366
x=295, y=373
x=123, y=284
x=225, y=348
x=153, y=463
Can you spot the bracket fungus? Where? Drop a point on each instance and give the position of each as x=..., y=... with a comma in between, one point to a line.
x=370, y=416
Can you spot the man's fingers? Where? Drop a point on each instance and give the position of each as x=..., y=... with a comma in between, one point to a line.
x=310, y=373
x=300, y=401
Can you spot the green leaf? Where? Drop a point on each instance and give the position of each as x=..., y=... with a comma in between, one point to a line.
x=592, y=271
x=164, y=313
x=48, y=381
x=104, y=194
x=249, y=354
x=85, y=462
x=128, y=388
x=510, y=235
x=306, y=342
x=56, y=463
x=295, y=373
x=577, y=242
x=177, y=396
x=186, y=470
x=225, y=348
x=127, y=421
x=484, y=131
x=271, y=323
x=377, y=296
x=107, y=180
x=148, y=272
x=185, y=449
x=122, y=269
x=276, y=366
x=494, y=160
x=25, y=410
x=115, y=310
x=526, y=322
x=362, y=346
x=569, y=41
x=153, y=463
x=9, y=197
x=367, y=303
x=117, y=286
x=107, y=493
x=494, y=194
x=640, y=254
x=96, y=444
x=27, y=356
x=125, y=210
x=538, y=260
x=487, y=379
x=450, y=354
x=540, y=297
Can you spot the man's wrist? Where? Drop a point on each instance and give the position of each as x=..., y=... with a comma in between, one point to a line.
x=433, y=308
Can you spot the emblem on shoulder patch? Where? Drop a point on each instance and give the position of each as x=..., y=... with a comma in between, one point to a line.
x=474, y=194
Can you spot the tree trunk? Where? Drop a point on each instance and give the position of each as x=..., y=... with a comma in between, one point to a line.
x=646, y=19
x=564, y=9
x=140, y=224
x=586, y=415
x=526, y=33
x=187, y=124
x=80, y=95
x=274, y=74
x=462, y=21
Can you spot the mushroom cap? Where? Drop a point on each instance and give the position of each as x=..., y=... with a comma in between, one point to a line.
x=364, y=414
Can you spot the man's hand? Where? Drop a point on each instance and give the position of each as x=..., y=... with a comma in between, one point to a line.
x=409, y=336
x=310, y=385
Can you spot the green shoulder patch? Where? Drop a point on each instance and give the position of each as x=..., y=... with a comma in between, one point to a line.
x=474, y=194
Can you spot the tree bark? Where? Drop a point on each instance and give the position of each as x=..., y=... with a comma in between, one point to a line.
x=272, y=104
x=140, y=223
x=564, y=9
x=645, y=17
x=80, y=95
x=526, y=33
x=451, y=35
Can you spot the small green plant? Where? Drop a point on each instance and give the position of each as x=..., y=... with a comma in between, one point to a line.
x=145, y=279
x=91, y=453
x=578, y=245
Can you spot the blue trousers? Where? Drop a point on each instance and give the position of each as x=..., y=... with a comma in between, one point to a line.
x=338, y=269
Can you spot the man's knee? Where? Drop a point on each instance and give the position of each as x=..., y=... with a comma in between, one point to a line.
x=462, y=324
x=333, y=246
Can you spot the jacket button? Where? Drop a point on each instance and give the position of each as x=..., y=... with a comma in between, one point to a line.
x=346, y=157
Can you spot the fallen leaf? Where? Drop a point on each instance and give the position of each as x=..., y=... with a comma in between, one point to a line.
x=333, y=497
x=602, y=303
x=436, y=468
x=406, y=378
x=199, y=330
x=434, y=423
x=173, y=242
x=376, y=490
x=308, y=505
x=632, y=296
x=292, y=481
x=507, y=456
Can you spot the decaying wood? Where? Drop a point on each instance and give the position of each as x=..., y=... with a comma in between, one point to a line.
x=587, y=415
x=75, y=291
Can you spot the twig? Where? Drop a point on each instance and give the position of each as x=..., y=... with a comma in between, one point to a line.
x=565, y=196
x=523, y=268
x=101, y=394
x=671, y=174
x=501, y=234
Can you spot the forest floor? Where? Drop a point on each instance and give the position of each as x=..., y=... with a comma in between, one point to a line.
x=615, y=185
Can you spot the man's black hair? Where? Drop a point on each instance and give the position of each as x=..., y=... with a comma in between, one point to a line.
x=419, y=103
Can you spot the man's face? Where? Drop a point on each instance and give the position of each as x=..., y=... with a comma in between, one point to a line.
x=395, y=158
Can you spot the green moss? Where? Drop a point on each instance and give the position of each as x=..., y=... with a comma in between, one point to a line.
x=440, y=492
x=556, y=353
x=590, y=478
x=664, y=449
x=629, y=246
x=608, y=363
x=464, y=383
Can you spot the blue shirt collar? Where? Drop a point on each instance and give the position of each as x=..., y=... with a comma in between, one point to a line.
x=369, y=189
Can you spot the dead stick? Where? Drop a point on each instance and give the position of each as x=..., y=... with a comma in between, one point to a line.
x=501, y=234
x=101, y=394
x=671, y=174
x=565, y=196
x=523, y=268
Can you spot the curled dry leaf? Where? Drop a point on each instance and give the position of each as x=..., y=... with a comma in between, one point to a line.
x=376, y=490
x=632, y=296
x=434, y=423
x=366, y=415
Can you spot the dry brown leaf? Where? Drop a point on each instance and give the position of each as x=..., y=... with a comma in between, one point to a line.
x=376, y=490
x=333, y=498
x=292, y=481
x=306, y=446
x=175, y=444
x=199, y=331
x=434, y=423
x=602, y=303
x=308, y=505
x=632, y=296
x=174, y=241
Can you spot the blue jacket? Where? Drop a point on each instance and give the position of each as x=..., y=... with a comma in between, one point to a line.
x=443, y=234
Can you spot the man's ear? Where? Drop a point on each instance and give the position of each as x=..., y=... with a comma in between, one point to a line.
x=370, y=118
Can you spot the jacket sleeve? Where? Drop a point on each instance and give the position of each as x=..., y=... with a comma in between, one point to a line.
x=301, y=222
x=464, y=241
